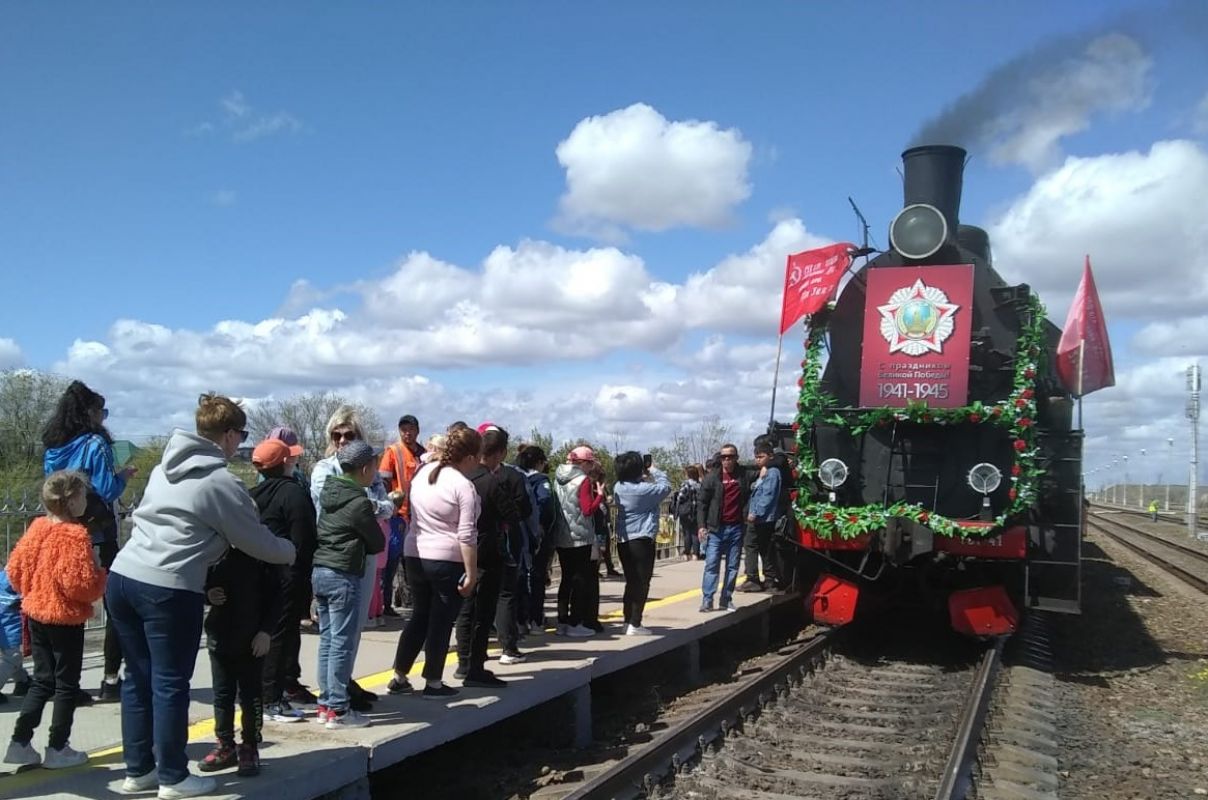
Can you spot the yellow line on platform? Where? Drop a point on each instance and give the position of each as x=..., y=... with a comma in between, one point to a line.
x=204, y=729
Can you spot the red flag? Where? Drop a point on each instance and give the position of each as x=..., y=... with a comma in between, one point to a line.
x=810, y=278
x=1084, y=355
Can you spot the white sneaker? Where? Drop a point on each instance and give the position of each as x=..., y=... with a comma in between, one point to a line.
x=510, y=658
x=349, y=719
x=192, y=786
x=283, y=712
x=64, y=758
x=23, y=755
x=637, y=630
x=580, y=631
x=140, y=783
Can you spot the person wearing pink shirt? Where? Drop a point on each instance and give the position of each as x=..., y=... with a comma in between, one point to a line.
x=440, y=555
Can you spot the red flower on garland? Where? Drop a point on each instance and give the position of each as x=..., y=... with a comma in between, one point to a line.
x=1029, y=373
x=1016, y=470
x=1027, y=394
x=829, y=516
x=975, y=417
x=1021, y=403
x=1011, y=493
x=852, y=518
x=924, y=516
x=801, y=382
x=997, y=411
x=796, y=426
x=793, y=496
x=1021, y=445
x=1024, y=422
x=926, y=418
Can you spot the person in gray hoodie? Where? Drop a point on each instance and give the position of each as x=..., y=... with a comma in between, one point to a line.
x=192, y=511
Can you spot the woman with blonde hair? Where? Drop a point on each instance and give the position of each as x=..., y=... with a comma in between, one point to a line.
x=193, y=510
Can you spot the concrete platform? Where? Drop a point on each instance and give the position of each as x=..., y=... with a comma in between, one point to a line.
x=304, y=760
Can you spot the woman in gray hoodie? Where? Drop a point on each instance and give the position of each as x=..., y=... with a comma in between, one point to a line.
x=192, y=511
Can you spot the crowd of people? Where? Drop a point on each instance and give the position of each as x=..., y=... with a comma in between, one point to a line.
x=470, y=538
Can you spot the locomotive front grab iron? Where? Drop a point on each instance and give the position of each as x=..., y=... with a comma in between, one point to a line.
x=936, y=450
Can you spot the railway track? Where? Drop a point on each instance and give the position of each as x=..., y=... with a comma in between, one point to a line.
x=832, y=717
x=1186, y=563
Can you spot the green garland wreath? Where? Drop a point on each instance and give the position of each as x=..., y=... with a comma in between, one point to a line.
x=1017, y=413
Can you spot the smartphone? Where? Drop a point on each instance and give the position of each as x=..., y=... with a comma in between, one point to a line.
x=648, y=460
x=461, y=582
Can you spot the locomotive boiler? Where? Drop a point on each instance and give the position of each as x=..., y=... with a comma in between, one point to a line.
x=935, y=449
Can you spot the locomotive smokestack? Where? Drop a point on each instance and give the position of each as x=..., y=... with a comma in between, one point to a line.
x=933, y=175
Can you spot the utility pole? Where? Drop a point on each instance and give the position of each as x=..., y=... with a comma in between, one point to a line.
x=1193, y=414
x=1170, y=447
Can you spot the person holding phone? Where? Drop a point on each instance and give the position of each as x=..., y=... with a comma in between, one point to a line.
x=76, y=438
x=440, y=555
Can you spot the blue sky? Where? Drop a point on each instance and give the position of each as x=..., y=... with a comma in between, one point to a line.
x=181, y=165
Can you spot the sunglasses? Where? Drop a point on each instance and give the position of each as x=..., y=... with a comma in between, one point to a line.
x=242, y=435
x=349, y=436
x=729, y=456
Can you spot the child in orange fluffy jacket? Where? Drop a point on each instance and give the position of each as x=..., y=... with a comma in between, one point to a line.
x=53, y=569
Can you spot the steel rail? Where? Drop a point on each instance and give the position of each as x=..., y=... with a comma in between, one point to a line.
x=958, y=772
x=1198, y=555
x=634, y=775
x=1174, y=569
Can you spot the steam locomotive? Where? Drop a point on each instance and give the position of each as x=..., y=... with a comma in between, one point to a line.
x=936, y=454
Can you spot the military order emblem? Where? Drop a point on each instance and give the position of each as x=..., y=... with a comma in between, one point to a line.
x=917, y=319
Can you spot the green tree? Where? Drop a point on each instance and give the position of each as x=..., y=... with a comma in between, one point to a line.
x=27, y=399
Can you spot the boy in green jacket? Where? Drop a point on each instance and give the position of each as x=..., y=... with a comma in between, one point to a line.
x=348, y=532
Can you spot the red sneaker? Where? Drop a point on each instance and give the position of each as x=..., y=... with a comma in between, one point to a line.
x=222, y=756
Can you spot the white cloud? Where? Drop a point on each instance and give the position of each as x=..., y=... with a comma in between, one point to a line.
x=10, y=354
x=633, y=168
x=1139, y=216
x=242, y=122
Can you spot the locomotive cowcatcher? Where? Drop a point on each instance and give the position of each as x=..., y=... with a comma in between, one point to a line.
x=936, y=455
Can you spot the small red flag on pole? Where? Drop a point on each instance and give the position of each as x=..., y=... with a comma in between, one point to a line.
x=1084, y=354
x=810, y=278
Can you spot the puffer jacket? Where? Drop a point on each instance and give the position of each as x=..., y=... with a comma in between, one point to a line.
x=348, y=529
x=579, y=530
x=53, y=570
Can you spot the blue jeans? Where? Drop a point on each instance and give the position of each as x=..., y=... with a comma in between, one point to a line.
x=725, y=541
x=338, y=596
x=160, y=631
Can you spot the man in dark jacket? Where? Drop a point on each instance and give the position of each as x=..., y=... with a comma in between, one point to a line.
x=499, y=534
x=285, y=509
x=721, y=506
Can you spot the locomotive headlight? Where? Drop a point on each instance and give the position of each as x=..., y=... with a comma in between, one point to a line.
x=985, y=478
x=833, y=473
x=918, y=231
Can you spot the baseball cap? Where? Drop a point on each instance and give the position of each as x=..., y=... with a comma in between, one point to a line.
x=581, y=453
x=487, y=426
x=286, y=435
x=272, y=453
x=354, y=455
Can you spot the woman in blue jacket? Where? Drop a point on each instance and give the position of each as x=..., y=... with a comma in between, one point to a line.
x=10, y=640
x=75, y=437
x=638, y=494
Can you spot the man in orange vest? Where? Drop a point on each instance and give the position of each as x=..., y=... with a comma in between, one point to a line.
x=400, y=462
